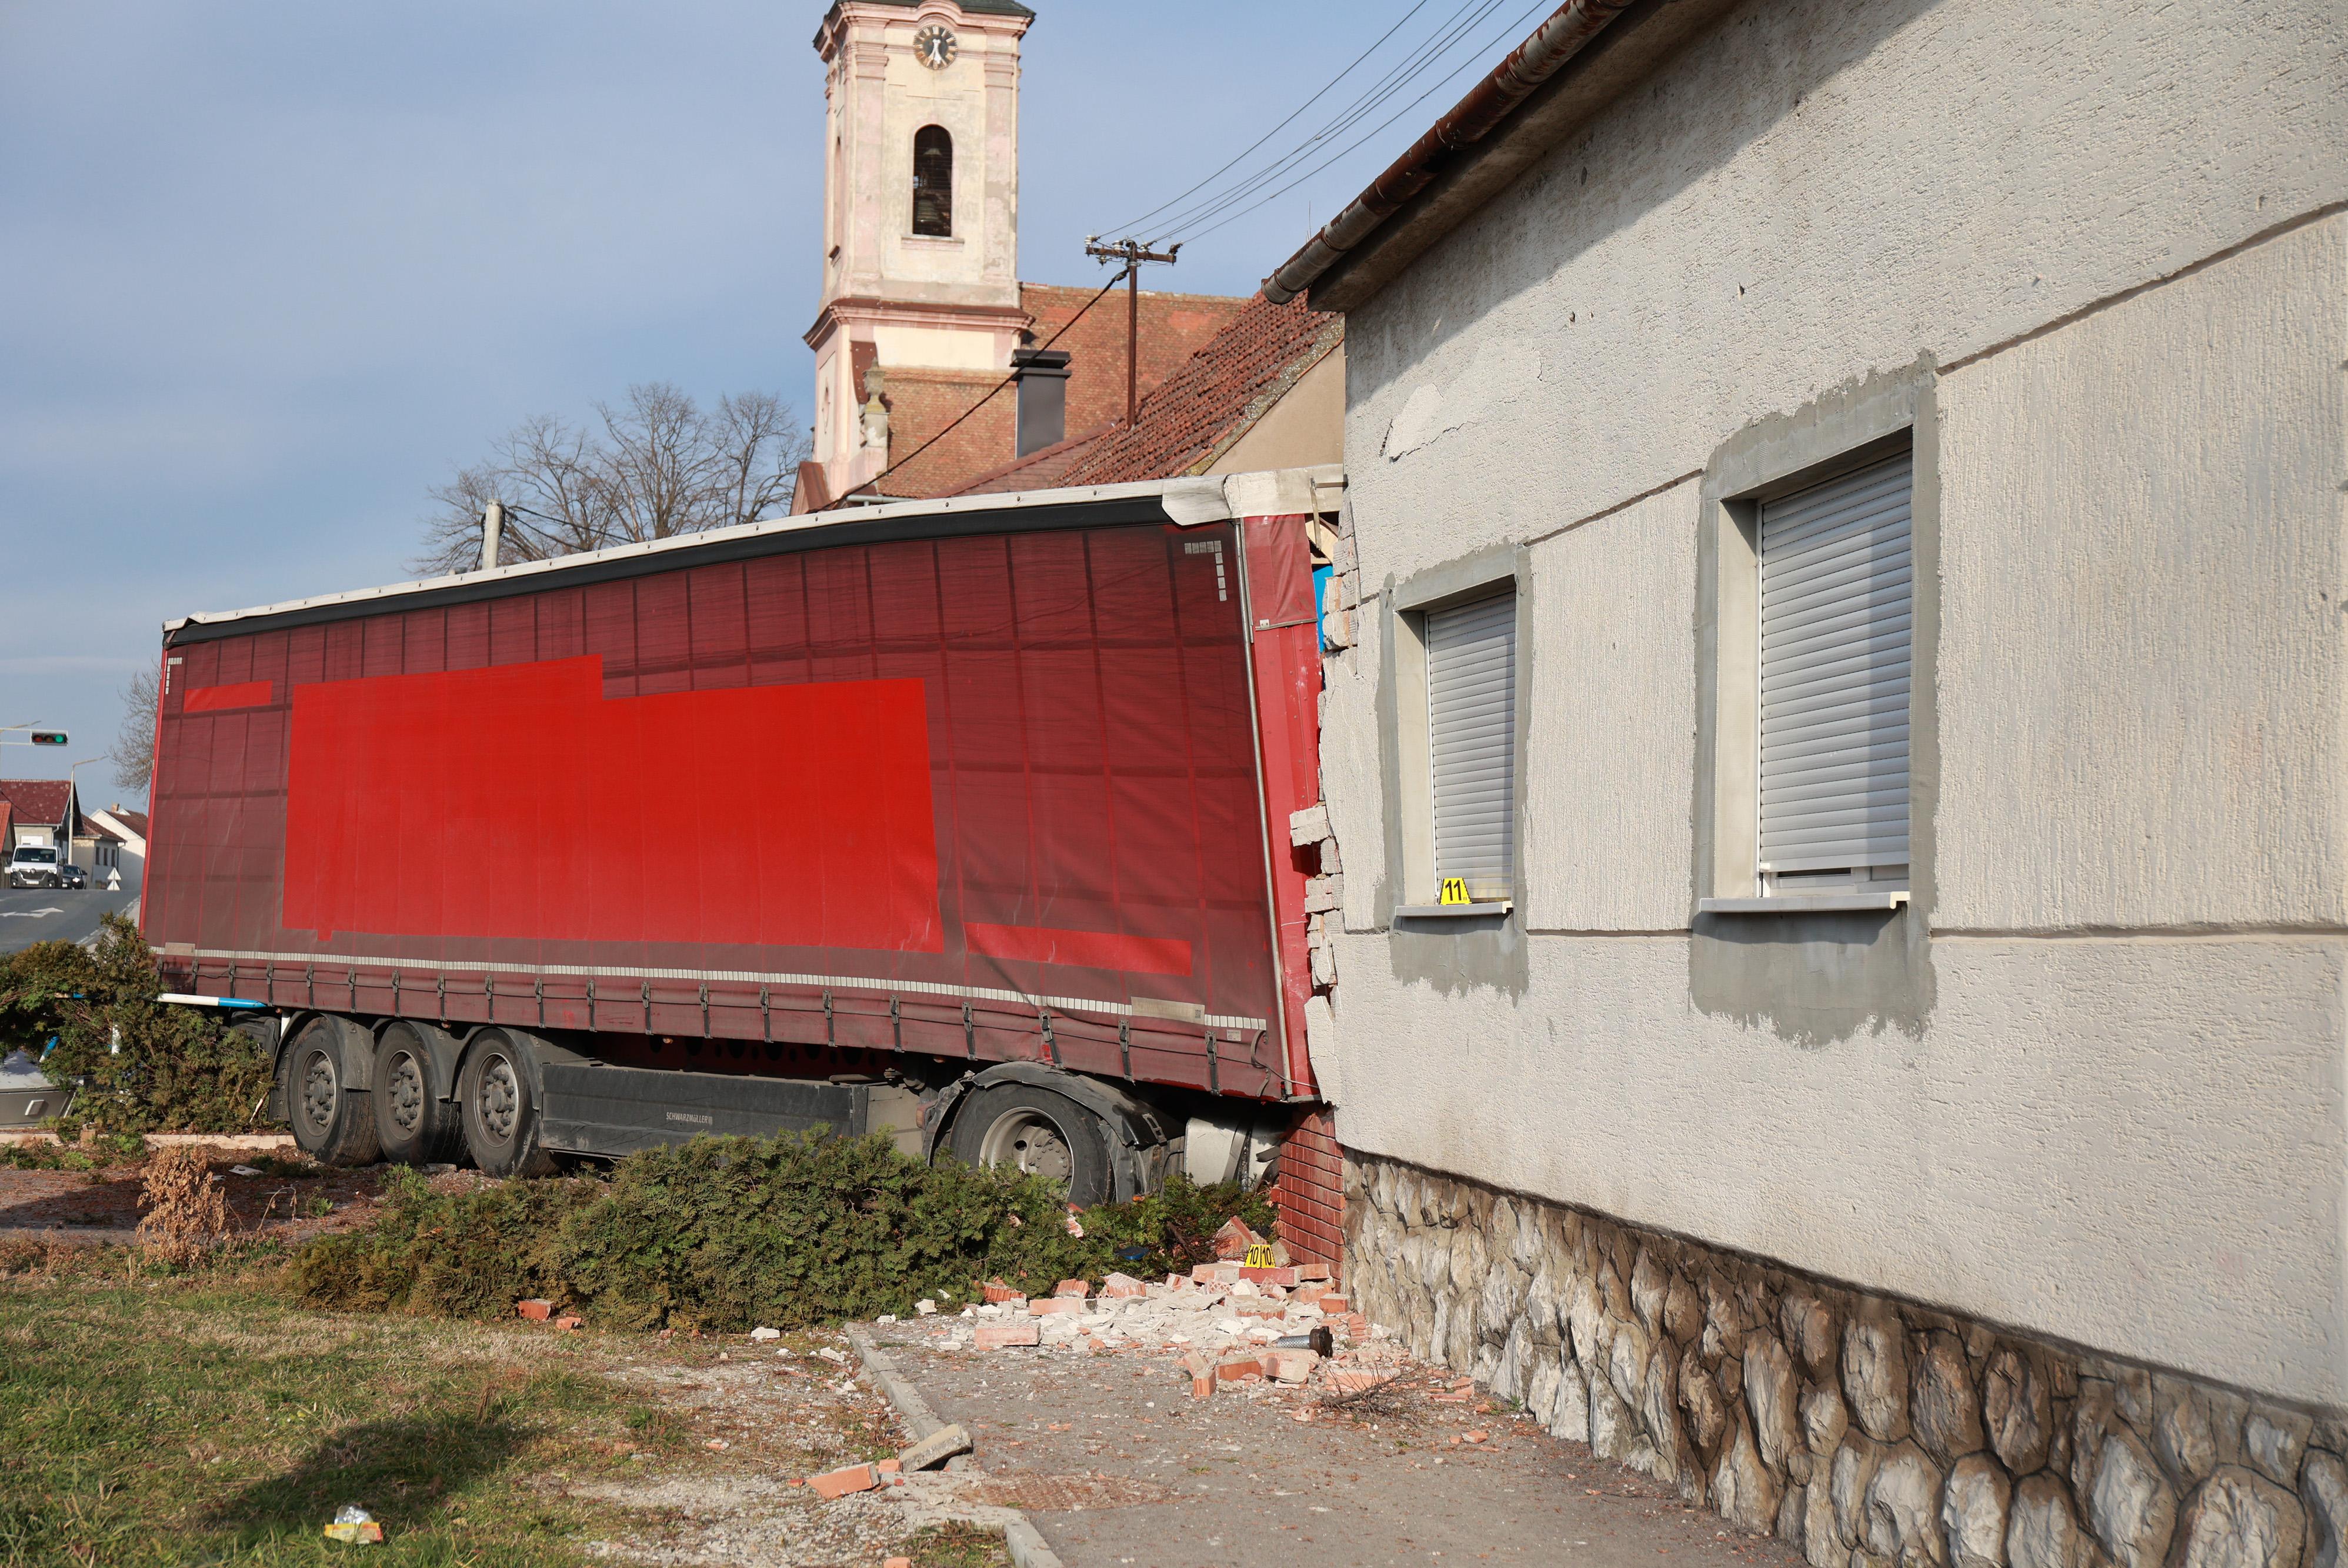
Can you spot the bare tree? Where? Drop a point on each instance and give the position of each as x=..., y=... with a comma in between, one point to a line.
x=132, y=755
x=659, y=465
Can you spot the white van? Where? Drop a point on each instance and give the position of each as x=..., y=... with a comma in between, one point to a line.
x=34, y=865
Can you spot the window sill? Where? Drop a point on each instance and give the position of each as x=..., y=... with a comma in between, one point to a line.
x=1802, y=904
x=1453, y=911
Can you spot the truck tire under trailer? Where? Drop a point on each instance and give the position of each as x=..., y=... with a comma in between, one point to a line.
x=353, y=1098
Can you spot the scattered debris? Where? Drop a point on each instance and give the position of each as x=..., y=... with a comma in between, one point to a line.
x=765, y=1334
x=537, y=1309
x=356, y=1525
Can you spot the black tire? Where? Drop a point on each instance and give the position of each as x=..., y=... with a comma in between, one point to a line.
x=498, y=1091
x=332, y=1121
x=1038, y=1130
x=413, y=1124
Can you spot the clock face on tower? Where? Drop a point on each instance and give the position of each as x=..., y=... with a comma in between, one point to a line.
x=935, y=46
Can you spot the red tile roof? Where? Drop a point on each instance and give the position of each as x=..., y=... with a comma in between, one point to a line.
x=37, y=800
x=1216, y=398
x=1045, y=468
x=134, y=820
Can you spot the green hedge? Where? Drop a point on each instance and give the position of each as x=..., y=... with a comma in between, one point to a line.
x=726, y=1233
x=138, y=1065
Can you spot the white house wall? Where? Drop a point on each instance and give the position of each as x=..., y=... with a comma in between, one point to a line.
x=2115, y=1111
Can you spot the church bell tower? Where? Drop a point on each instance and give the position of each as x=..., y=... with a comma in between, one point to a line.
x=920, y=305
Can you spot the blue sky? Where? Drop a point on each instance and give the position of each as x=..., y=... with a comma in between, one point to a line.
x=271, y=270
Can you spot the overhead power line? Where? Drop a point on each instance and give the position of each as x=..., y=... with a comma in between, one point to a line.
x=1246, y=182
x=1420, y=58
x=1130, y=224
x=1515, y=29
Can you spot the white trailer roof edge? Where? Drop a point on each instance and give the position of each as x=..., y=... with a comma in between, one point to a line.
x=1188, y=502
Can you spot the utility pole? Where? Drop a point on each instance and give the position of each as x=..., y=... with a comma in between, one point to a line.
x=1132, y=252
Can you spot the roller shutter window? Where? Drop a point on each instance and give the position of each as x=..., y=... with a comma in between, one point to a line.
x=1471, y=720
x=1838, y=602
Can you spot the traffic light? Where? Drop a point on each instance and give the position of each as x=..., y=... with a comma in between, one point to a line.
x=48, y=738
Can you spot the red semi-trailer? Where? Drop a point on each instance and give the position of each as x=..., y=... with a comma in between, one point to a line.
x=966, y=820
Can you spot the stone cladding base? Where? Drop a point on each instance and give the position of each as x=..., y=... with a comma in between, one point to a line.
x=1867, y=1433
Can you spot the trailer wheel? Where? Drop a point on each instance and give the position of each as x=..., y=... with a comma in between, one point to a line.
x=1046, y=1134
x=499, y=1092
x=417, y=1126
x=332, y=1122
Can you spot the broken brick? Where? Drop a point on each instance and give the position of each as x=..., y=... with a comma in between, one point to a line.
x=1234, y=1370
x=996, y=1292
x=1289, y=1366
x=1233, y=1242
x=1072, y=1288
x=1003, y=1335
x=891, y=1467
x=535, y=1309
x=1260, y=1307
x=1053, y=1305
x=840, y=1482
x=1333, y=1304
x=1122, y=1287
x=1313, y=1273
x=570, y=1325
x=1216, y=1274
x=1268, y=1276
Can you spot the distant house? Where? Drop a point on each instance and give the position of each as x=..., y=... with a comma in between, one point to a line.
x=35, y=811
x=123, y=846
x=105, y=845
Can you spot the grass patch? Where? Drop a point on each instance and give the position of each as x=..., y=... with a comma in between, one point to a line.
x=957, y=1546
x=727, y=1233
x=120, y=1148
x=204, y=1421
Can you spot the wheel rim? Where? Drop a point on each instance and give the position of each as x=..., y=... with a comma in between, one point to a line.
x=318, y=1091
x=1030, y=1140
x=404, y=1080
x=499, y=1103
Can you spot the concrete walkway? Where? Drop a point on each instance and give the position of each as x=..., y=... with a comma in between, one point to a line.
x=1116, y=1464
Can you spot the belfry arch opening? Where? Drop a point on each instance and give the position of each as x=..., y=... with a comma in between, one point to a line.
x=933, y=183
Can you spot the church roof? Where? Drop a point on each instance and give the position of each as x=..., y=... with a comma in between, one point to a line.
x=976, y=7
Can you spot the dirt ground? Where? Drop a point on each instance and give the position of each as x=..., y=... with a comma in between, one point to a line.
x=288, y=1199
x=761, y=1418
x=1118, y=1465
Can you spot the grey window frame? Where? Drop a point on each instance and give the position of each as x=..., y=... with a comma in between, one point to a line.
x=1407, y=754
x=1851, y=429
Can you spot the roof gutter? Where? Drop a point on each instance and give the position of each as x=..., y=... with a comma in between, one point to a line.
x=1566, y=34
